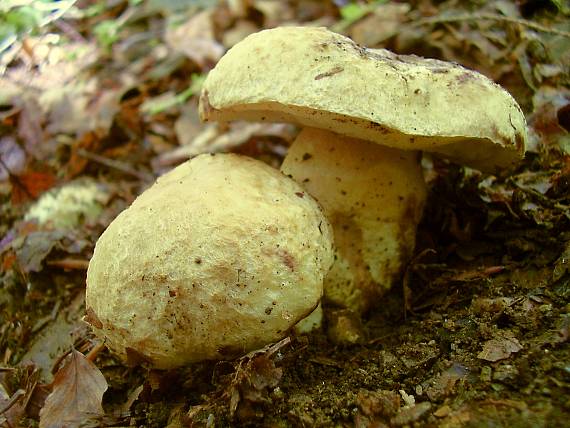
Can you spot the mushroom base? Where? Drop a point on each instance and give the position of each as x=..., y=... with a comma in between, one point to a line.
x=374, y=197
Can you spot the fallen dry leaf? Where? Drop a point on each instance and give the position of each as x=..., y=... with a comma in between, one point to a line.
x=13, y=406
x=30, y=128
x=255, y=374
x=410, y=414
x=30, y=185
x=12, y=158
x=32, y=248
x=53, y=340
x=77, y=394
x=378, y=403
x=384, y=22
x=215, y=138
x=195, y=39
x=499, y=349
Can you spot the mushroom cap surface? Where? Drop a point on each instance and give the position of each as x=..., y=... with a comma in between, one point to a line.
x=222, y=255
x=314, y=77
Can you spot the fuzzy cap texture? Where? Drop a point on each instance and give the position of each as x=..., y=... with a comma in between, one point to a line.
x=222, y=255
x=314, y=77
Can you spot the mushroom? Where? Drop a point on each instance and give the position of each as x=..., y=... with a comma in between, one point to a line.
x=373, y=196
x=369, y=114
x=222, y=255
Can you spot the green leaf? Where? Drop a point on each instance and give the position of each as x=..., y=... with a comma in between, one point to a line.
x=352, y=12
x=169, y=100
x=107, y=33
x=24, y=18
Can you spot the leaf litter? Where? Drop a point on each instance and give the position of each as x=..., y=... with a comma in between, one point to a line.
x=105, y=96
x=76, y=396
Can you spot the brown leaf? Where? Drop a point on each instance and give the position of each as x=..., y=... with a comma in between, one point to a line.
x=30, y=185
x=385, y=22
x=254, y=377
x=410, y=414
x=12, y=408
x=77, y=394
x=12, y=158
x=77, y=163
x=443, y=385
x=474, y=275
x=32, y=250
x=378, y=403
x=195, y=39
x=30, y=129
x=499, y=349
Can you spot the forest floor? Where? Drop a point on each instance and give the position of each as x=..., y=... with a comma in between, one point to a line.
x=98, y=101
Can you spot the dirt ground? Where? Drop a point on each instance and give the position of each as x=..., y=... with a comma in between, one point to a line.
x=99, y=100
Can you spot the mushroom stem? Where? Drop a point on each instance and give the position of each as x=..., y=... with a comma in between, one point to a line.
x=373, y=196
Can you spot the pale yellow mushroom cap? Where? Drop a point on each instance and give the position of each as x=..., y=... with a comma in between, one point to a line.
x=221, y=256
x=321, y=79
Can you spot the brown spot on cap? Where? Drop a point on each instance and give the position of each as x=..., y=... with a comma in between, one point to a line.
x=330, y=73
x=287, y=258
x=465, y=77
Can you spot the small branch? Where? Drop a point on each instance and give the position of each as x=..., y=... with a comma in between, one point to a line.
x=92, y=354
x=490, y=17
x=115, y=164
x=69, y=30
x=70, y=264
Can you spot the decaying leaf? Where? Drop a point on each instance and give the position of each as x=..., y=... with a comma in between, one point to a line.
x=255, y=375
x=77, y=394
x=378, y=403
x=12, y=158
x=32, y=249
x=56, y=333
x=444, y=383
x=216, y=138
x=410, y=414
x=195, y=39
x=30, y=185
x=383, y=23
x=30, y=128
x=499, y=349
x=13, y=403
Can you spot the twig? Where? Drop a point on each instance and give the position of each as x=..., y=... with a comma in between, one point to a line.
x=490, y=17
x=69, y=263
x=115, y=164
x=70, y=31
x=92, y=354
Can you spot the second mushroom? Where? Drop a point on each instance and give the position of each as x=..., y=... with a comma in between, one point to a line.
x=368, y=115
